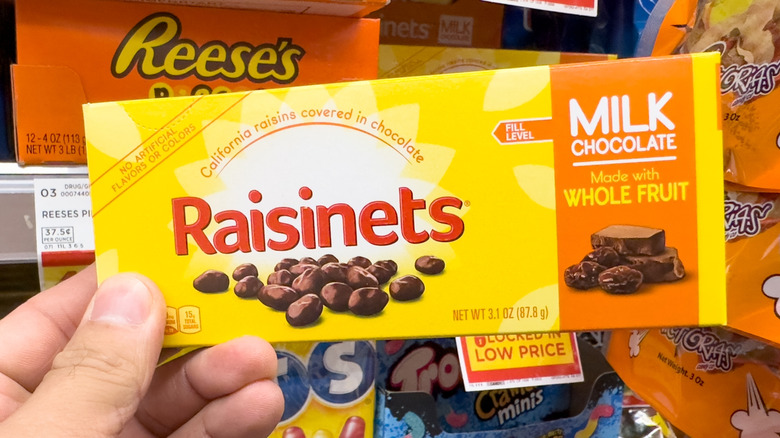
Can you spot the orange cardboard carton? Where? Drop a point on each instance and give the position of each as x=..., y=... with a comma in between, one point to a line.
x=341, y=8
x=72, y=52
x=463, y=23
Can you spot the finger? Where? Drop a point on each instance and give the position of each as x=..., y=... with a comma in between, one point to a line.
x=191, y=382
x=36, y=331
x=12, y=396
x=252, y=411
x=97, y=381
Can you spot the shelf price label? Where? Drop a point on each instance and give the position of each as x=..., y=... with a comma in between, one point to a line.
x=586, y=8
x=63, y=225
x=515, y=361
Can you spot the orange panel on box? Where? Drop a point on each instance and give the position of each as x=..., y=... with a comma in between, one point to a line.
x=147, y=50
x=629, y=186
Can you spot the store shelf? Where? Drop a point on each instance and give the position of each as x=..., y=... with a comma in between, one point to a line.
x=18, y=254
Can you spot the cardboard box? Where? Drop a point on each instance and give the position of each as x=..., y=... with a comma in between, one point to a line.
x=142, y=50
x=507, y=181
x=463, y=23
x=340, y=8
x=399, y=60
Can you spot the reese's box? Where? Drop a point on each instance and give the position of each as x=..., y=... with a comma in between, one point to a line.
x=500, y=201
x=399, y=60
x=72, y=52
x=341, y=8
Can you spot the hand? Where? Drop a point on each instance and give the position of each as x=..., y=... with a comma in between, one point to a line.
x=79, y=363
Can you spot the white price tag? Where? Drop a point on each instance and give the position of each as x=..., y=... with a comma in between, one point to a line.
x=587, y=8
x=516, y=361
x=63, y=222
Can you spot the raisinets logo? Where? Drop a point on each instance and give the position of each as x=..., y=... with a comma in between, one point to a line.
x=746, y=81
x=714, y=353
x=243, y=232
x=155, y=47
x=744, y=219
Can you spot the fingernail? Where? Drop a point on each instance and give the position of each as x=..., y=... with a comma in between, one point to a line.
x=122, y=300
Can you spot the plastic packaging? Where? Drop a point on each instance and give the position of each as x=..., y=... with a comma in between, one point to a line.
x=753, y=262
x=709, y=382
x=431, y=367
x=594, y=410
x=747, y=34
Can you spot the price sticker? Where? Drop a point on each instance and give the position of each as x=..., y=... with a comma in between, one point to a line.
x=63, y=225
x=586, y=8
x=516, y=361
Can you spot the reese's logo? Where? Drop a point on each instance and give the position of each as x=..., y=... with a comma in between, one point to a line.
x=155, y=48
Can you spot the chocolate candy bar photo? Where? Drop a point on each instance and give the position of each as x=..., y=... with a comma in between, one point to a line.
x=630, y=239
x=625, y=257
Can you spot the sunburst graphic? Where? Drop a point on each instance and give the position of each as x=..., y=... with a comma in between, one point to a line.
x=277, y=161
x=756, y=421
x=351, y=169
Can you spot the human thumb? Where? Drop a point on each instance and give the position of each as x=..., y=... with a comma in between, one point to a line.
x=97, y=381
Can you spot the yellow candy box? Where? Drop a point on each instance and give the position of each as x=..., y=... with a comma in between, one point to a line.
x=458, y=204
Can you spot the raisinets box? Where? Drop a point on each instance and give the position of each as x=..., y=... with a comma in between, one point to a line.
x=144, y=50
x=401, y=60
x=576, y=197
